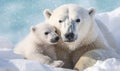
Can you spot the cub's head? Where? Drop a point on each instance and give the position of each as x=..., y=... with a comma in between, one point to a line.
x=71, y=20
x=45, y=33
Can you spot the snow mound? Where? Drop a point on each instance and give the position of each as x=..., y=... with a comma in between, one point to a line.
x=5, y=43
x=112, y=21
x=8, y=53
x=6, y=65
x=107, y=65
x=26, y=65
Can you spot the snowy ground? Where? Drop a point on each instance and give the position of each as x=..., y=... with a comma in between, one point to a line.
x=13, y=62
x=112, y=21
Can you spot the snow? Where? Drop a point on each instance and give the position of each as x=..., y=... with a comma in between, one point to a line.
x=10, y=61
x=112, y=21
x=26, y=65
x=3, y=41
x=7, y=53
x=107, y=65
x=6, y=65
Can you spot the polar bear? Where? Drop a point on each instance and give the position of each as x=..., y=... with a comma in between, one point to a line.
x=87, y=38
x=40, y=44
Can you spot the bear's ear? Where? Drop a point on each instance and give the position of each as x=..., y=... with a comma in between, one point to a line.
x=47, y=13
x=91, y=12
x=33, y=28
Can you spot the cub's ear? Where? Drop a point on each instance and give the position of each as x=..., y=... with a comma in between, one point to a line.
x=33, y=28
x=91, y=12
x=47, y=13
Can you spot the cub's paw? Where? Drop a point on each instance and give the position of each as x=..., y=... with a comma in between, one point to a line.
x=58, y=63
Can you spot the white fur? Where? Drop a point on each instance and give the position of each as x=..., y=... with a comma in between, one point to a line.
x=94, y=41
x=69, y=14
x=37, y=46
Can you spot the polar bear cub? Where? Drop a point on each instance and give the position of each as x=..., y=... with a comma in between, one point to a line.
x=40, y=44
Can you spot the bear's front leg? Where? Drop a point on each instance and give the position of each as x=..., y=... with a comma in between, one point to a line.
x=90, y=58
x=57, y=63
x=43, y=59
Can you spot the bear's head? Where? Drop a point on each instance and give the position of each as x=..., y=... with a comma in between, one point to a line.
x=73, y=21
x=45, y=33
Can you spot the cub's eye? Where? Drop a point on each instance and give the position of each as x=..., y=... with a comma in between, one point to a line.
x=46, y=33
x=60, y=21
x=55, y=31
x=77, y=20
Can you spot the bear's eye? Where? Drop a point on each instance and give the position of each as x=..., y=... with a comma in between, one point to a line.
x=60, y=21
x=77, y=20
x=46, y=33
x=55, y=31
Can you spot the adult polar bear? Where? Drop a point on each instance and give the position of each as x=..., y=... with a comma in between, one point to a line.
x=87, y=39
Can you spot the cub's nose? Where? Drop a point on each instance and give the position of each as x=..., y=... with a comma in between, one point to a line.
x=53, y=40
x=69, y=36
x=56, y=38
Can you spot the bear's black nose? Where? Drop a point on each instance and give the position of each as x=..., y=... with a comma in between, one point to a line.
x=53, y=40
x=56, y=38
x=69, y=36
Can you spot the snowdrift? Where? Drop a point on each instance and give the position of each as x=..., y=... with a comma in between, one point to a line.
x=112, y=21
x=107, y=65
x=13, y=62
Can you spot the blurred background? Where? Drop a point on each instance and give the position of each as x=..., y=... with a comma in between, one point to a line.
x=16, y=16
